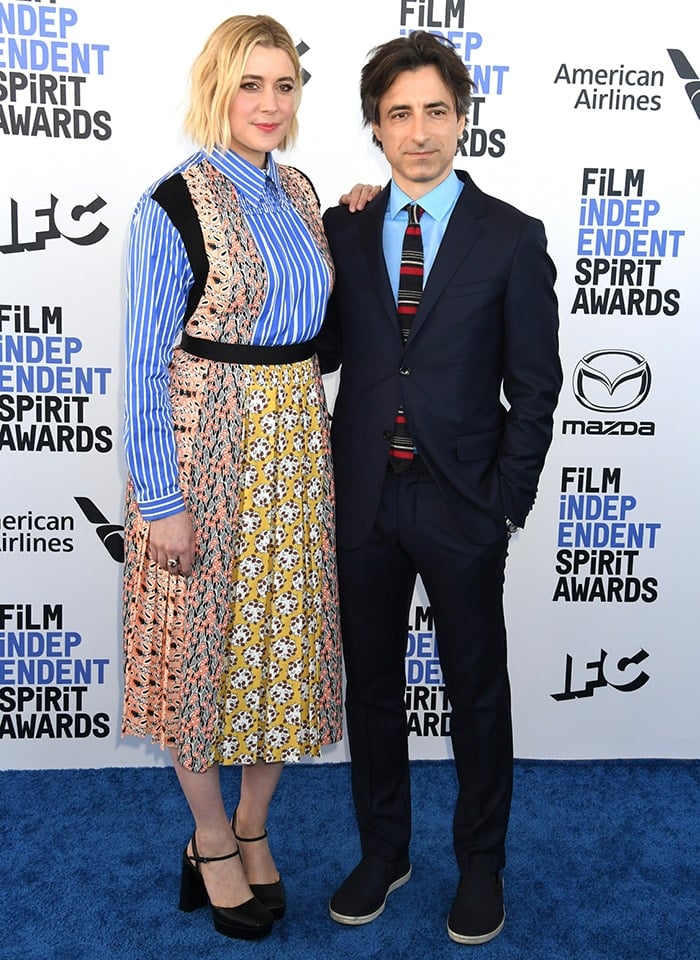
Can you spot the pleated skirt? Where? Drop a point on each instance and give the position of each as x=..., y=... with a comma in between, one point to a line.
x=241, y=661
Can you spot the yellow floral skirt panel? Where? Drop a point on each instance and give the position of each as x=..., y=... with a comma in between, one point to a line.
x=283, y=599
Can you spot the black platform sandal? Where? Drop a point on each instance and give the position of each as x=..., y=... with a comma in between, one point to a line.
x=271, y=895
x=248, y=921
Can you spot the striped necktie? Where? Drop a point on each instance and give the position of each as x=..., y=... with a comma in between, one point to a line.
x=410, y=291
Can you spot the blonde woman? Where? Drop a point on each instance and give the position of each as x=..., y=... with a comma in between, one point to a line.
x=232, y=648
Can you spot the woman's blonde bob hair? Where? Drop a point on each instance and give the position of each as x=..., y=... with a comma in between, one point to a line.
x=216, y=76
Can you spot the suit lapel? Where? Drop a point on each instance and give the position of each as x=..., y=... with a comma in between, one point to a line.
x=462, y=232
x=371, y=225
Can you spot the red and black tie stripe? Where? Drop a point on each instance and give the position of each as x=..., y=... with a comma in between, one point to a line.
x=410, y=291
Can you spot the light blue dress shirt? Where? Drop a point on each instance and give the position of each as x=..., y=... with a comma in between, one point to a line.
x=438, y=204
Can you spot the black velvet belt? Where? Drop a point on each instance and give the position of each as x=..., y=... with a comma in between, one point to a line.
x=246, y=352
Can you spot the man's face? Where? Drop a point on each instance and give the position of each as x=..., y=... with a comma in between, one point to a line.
x=418, y=129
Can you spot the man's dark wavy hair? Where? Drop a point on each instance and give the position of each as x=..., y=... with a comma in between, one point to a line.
x=418, y=49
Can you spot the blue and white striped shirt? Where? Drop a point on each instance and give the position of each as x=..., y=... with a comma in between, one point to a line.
x=159, y=278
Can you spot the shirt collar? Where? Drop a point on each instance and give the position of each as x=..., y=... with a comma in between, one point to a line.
x=437, y=202
x=250, y=180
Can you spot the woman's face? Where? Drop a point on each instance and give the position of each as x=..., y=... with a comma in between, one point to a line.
x=262, y=108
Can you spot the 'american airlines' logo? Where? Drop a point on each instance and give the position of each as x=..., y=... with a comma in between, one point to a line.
x=686, y=72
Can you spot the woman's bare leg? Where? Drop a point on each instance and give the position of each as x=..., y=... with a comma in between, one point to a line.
x=225, y=881
x=258, y=784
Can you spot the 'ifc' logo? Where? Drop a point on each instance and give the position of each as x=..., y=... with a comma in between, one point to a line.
x=612, y=380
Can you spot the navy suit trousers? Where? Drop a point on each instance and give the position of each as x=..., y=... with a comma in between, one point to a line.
x=415, y=533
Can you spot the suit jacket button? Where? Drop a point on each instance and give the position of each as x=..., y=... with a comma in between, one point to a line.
x=387, y=435
x=405, y=371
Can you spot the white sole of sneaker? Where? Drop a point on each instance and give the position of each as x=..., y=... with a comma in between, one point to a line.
x=368, y=918
x=473, y=941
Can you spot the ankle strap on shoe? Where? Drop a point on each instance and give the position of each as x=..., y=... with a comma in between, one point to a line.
x=263, y=836
x=195, y=857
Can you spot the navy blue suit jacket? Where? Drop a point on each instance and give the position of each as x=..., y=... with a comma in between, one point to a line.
x=486, y=330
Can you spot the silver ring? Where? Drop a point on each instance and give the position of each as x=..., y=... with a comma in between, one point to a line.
x=173, y=564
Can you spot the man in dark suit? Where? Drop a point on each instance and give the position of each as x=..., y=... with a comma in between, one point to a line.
x=433, y=470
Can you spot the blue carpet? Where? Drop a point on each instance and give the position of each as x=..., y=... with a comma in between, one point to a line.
x=602, y=863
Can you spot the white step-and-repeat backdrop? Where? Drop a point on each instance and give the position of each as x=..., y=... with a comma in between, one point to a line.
x=588, y=118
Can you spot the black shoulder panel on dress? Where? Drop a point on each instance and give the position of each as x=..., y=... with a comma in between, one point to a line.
x=174, y=197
